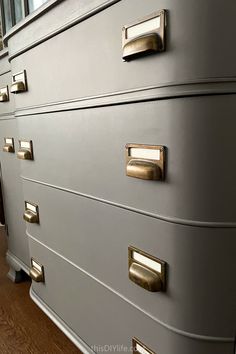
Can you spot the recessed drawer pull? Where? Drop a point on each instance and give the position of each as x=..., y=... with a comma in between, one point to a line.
x=143, y=45
x=31, y=213
x=145, y=36
x=26, y=150
x=145, y=161
x=9, y=145
x=4, y=95
x=145, y=277
x=146, y=271
x=19, y=83
x=36, y=271
x=143, y=169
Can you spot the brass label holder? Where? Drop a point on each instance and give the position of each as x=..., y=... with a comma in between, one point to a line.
x=140, y=348
x=145, y=36
x=146, y=271
x=4, y=94
x=26, y=150
x=19, y=82
x=37, y=271
x=31, y=213
x=9, y=145
x=145, y=161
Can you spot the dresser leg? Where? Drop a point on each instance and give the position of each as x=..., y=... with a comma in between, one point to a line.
x=16, y=276
x=18, y=270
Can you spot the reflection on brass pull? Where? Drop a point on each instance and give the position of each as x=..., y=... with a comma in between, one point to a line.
x=145, y=36
x=139, y=347
x=142, y=45
x=4, y=96
x=143, y=169
x=8, y=148
x=36, y=271
x=18, y=86
x=19, y=83
x=146, y=271
x=145, y=277
x=9, y=145
x=145, y=161
x=24, y=155
x=31, y=213
x=26, y=150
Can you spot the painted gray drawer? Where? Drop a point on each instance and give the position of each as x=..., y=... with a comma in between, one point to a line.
x=12, y=193
x=84, y=151
x=91, y=52
x=95, y=236
x=6, y=107
x=98, y=315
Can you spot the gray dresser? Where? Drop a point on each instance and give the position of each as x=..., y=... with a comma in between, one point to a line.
x=125, y=113
x=11, y=183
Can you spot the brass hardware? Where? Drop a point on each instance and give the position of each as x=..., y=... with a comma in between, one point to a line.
x=139, y=347
x=26, y=150
x=9, y=145
x=31, y=213
x=145, y=161
x=19, y=82
x=146, y=271
x=4, y=95
x=145, y=36
x=36, y=271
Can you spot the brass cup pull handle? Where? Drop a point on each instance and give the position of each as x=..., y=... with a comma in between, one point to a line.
x=31, y=217
x=24, y=155
x=18, y=86
x=143, y=169
x=142, y=45
x=36, y=275
x=3, y=97
x=145, y=277
x=8, y=148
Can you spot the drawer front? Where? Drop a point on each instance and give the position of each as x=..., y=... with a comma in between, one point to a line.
x=97, y=43
x=85, y=304
x=84, y=151
x=5, y=65
x=96, y=236
x=6, y=107
x=12, y=194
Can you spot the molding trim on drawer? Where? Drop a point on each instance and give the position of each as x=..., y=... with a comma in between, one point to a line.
x=41, y=11
x=5, y=72
x=61, y=324
x=8, y=114
x=171, y=328
x=3, y=53
x=142, y=94
x=173, y=220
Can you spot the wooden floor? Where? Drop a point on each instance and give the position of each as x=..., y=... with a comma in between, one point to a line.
x=24, y=328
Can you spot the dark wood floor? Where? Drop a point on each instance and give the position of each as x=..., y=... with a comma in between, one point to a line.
x=24, y=328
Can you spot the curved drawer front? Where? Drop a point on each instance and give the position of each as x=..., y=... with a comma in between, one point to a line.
x=12, y=193
x=193, y=34
x=84, y=151
x=7, y=107
x=5, y=65
x=96, y=237
x=84, y=304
